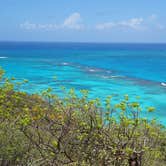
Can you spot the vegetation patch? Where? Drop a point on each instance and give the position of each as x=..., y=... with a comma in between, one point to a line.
x=47, y=130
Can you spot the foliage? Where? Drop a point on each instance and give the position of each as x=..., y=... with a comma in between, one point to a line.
x=50, y=130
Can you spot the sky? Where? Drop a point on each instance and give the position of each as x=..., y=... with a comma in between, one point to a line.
x=83, y=20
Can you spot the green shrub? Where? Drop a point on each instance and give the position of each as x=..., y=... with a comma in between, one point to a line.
x=50, y=130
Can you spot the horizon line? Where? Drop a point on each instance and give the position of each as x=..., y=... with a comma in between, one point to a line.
x=83, y=42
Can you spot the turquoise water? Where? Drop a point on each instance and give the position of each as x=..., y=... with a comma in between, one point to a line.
x=103, y=69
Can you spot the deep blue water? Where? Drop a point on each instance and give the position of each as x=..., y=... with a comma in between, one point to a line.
x=103, y=69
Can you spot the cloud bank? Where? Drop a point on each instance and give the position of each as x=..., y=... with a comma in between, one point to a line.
x=74, y=22
x=71, y=22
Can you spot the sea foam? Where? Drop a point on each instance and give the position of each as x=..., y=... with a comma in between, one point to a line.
x=163, y=84
x=3, y=57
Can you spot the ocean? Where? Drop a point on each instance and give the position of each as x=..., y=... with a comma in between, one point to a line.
x=104, y=69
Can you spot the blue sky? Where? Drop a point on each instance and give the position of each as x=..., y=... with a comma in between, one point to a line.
x=83, y=20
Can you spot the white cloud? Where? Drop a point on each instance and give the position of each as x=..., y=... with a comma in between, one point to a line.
x=160, y=26
x=27, y=25
x=72, y=22
x=134, y=23
x=153, y=17
x=32, y=26
x=107, y=25
x=154, y=22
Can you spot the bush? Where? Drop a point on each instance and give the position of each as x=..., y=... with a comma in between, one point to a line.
x=49, y=130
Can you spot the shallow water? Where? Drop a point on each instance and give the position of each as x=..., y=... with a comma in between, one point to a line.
x=103, y=69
